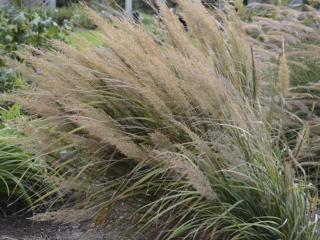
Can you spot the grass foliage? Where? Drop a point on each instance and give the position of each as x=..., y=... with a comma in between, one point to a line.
x=269, y=27
x=178, y=118
x=21, y=175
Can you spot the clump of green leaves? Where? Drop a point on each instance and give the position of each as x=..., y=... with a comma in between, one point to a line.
x=9, y=79
x=71, y=17
x=18, y=27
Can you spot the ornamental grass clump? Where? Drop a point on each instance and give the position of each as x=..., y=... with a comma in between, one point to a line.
x=295, y=69
x=172, y=118
x=21, y=174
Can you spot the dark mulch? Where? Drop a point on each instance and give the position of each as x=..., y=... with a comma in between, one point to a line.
x=15, y=225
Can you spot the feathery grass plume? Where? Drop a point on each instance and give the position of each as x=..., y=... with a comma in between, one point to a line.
x=173, y=123
x=284, y=79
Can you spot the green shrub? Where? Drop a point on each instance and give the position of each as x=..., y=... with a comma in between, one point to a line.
x=9, y=80
x=71, y=16
x=18, y=27
x=63, y=3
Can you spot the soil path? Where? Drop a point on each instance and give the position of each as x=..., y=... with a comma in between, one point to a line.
x=20, y=228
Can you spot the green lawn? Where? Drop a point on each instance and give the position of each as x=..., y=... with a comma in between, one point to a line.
x=91, y=36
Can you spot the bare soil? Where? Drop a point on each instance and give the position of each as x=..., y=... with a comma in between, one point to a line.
x=15, y=225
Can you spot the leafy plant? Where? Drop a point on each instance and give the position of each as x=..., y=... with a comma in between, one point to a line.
x=71, y=16
x=18, y=27
x=9, y=80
